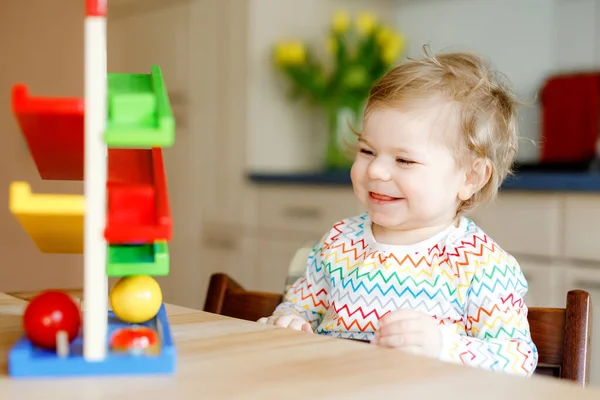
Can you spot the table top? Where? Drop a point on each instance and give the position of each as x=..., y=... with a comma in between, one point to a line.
x=225, y=358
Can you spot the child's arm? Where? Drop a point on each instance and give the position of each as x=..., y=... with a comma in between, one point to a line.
x=307, y=297
x=496, y=324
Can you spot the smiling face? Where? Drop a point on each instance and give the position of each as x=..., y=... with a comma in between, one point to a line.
x=405, y=174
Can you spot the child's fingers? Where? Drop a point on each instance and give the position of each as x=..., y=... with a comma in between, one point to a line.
x=401, y=327
x=272, y=320
x=401, y=340
x=297, y=324
x=400, y=315
x=389, y=341
x=287, y=321
x=284, y=321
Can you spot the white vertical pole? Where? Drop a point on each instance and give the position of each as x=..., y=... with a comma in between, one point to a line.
x=95, y=312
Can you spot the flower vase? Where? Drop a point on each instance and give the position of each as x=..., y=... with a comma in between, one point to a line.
x=344, y=122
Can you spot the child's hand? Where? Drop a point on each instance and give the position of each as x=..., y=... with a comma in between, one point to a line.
x=411, y=331
x=288, y=321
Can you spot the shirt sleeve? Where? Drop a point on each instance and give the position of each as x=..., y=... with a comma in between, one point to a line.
x=494, y=333
x=307, y=297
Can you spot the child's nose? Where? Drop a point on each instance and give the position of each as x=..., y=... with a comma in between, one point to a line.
x=378, y=170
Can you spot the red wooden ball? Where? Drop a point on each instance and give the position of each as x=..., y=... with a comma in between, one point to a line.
x=47, y=314
x=135, y=340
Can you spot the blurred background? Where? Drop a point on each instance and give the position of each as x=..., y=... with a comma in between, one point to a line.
x=257, y=169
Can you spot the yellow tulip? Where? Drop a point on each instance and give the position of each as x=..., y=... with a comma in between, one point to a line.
x=296, y=53
x=366, y=22
x=392, y=48
x=383, y=35
x=331, y=45
x=340, y=22
x=290, y=53
x=279, y=54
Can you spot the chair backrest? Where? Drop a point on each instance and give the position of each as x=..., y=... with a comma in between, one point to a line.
x=562, y=335
x=227, y=297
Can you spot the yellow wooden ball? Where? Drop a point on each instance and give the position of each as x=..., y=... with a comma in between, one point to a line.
x=136, y=299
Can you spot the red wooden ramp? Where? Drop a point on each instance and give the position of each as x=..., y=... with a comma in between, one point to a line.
x=53, y=130
x=138, y=202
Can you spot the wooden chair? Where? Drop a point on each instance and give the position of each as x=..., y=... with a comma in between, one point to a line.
x=562, y=335
x=227, y=297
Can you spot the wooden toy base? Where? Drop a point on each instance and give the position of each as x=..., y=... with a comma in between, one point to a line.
x=26, y=360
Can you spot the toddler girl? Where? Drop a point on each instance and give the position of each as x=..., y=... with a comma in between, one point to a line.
x=413, y=272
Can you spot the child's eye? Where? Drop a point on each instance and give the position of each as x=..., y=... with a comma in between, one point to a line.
x=404, y=161
x=366, y=151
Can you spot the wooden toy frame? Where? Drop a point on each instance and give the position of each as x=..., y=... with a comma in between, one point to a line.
x=112, y=139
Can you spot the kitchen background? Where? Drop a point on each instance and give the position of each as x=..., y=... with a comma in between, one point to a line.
x=246, y=176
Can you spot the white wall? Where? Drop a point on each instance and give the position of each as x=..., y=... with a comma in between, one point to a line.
x=525, y=39
x=47, y=56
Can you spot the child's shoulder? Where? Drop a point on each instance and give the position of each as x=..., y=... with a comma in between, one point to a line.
x=469, y=243
x=350, y=228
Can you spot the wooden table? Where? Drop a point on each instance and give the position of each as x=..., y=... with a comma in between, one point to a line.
x=224, y=358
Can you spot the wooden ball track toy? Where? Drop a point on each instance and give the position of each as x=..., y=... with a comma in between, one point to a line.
x=112, y=139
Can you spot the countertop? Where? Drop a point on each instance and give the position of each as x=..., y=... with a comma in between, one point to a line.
x=524, y=181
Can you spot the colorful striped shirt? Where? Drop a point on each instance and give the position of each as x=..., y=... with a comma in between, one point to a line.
x=461, y=277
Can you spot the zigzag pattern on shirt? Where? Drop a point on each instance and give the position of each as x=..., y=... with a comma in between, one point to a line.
x=373, y=307
x=360, y=325
x=303, y=294
x=464, y=280
x=342, y=296
x=345, y=334
x=399, y=277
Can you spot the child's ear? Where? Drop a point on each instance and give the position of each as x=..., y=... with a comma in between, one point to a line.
x=476, y=176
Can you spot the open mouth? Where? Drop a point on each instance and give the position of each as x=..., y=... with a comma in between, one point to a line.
x=379, y=198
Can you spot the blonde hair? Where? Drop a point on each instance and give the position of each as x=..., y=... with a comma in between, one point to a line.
x=488, y=109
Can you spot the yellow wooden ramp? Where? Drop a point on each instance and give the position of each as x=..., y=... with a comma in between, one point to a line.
x=53, y=221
